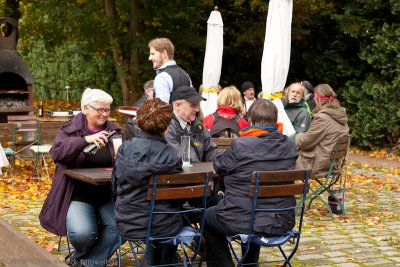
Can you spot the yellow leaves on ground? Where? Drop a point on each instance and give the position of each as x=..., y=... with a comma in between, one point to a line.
x=362, y=202
x=50, y=246
x=380, y=153
x=53, y=104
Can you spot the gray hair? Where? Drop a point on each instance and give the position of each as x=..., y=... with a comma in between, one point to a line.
x=90, y=96
x=148, y=84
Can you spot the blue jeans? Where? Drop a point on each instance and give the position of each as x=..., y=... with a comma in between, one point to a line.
x=92, y=232
x=217, y=250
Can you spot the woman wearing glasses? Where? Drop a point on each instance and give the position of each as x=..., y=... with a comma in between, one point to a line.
x=80, y=210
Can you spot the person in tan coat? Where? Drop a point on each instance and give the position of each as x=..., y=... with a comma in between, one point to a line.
x=328, y=124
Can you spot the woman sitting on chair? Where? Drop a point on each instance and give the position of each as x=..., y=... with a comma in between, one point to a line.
x=260, y=147
x=328, y=124
x=138, y=159
x=80, y=210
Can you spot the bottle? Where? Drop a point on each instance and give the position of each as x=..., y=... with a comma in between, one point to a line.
x=40, y=111
x=91, y=149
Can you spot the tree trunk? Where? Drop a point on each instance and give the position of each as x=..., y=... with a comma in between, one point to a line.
x=137, y=29
x=121, y=61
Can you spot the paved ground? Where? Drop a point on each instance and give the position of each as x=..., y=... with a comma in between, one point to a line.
x=369, y=234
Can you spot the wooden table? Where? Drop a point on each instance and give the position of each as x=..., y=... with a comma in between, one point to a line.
x=98, y=176
x=53, y=119
x=18, y=250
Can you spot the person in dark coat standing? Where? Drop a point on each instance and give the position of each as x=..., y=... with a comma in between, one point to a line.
x=82, y=211
x=260, y=147
x=138, y=159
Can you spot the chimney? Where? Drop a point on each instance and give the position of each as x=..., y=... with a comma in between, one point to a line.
x=16, y=80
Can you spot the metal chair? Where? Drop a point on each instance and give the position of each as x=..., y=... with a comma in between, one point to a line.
x=335, y=177
x=267, y=184
x=25, y=134
x=47, y=132
x=175, y=187
x=67, y=258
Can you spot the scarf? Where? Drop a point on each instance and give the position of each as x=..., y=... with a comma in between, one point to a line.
x=257, y=130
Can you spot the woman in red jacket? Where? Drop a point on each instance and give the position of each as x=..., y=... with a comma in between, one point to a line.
x=227, y=121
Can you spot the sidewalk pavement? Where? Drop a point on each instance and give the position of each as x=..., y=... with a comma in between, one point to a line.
x=368, y=235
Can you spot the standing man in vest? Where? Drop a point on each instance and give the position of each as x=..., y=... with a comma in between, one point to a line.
x=169, y=75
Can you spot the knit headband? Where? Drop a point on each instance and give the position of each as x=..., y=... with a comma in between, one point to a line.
x=329, y=98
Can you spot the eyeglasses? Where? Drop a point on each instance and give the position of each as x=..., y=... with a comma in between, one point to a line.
x=101, y=110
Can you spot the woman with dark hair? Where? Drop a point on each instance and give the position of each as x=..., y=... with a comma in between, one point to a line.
x=138, y=159
x=328, y=124
x=260, y=147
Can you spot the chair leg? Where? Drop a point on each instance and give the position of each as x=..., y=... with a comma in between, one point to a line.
x=68, y=257
x=314, y=193
x=59, y=243
x=233, y=252
x=340, y=202
x=45, y=167
x=10, y=168
x=134, y=246
x=37, y=166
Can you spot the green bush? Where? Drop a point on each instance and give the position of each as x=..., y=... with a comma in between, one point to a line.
x=373, y=99
x=70, y=64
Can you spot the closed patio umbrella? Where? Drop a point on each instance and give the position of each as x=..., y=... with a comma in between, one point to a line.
x=212, y=62
x=276, y=57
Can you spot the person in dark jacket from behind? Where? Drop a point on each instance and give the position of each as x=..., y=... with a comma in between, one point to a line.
x=138, y=159
x=260, y=147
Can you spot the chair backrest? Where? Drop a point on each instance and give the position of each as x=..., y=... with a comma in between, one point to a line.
x=339, y=154
x=280, y=183
x=223, y=143
x=173, y=186
x=23, y=121
x=25, y=131
x=49, y=131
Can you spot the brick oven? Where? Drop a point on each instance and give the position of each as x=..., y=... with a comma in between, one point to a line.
x=16, y=80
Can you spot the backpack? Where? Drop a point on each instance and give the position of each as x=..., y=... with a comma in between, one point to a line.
x=223, y=127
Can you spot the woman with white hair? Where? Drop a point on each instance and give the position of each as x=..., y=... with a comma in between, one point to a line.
x=80, y=210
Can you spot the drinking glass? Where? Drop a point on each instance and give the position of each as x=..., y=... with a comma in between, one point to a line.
x=117, y=142
x=185, y=150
